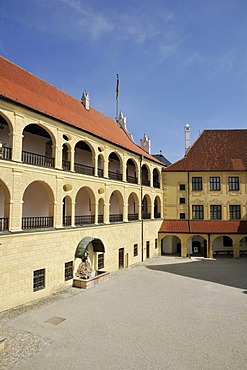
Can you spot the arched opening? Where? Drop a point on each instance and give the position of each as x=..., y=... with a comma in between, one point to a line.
x=4, y=206
x=66, y=158
x=114, y=167
x=101, y=211
x=243, y=247
x=5, y=142
x=156, y=178
x=38, y=206
x=157, y=207
x=133, y=206
x=67, y=211
x=91, y=250
x=145, y=175
x=197, y=246
x=116, y=207
x=223, y=246
x=100, y=165
x=37, y=146
x=83, y=159
x=146, y=207
x=84, y=207
x=131, y=173
x=171, y=245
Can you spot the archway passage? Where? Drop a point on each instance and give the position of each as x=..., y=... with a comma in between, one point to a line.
x=82, y=246
x=171, y=245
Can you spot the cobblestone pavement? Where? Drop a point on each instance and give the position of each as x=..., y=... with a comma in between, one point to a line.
x=20, y=343
x=164, y=313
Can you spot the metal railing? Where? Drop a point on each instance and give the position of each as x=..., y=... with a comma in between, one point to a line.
x=157, y=215
x=37, y=159
x=145, y=182
x=115, y=176
x=156, y=184
x=133, y=216
x=100, y=219
x=66, y=165
x=146, y=216
x=6, y=153
x=85, y=170
x=4, y=223
x=67, y=221
x=100, y=172
x=116, y=218
x=36, y=222
x=84, y=220
x=132, y=179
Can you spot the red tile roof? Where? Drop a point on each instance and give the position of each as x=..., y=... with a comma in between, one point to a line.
x=203, y=227
x=26, y=89
x=215, y=150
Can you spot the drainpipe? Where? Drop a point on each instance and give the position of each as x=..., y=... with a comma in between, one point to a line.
x=142, y=226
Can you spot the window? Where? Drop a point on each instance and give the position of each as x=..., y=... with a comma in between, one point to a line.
x=214, y=183
x=215, y=212
x=182, y=216
x=196, y=183
x=182, y=200
x=135, y=250
x=235, y=213
x=38, y=280
x=156, y=243
x=101, y=262
x=197, y=212
x=227, y=241
x=68, y=270
x=233, y=183
x=182, y=187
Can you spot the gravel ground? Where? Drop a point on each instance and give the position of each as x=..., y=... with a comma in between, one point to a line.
x=165, y=313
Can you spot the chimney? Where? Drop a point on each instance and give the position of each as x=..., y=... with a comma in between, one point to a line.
x=85, y=100
x=146, y=144
x=187, y=137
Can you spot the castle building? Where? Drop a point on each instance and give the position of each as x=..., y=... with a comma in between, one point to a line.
x=68, y=175
x=205, y=197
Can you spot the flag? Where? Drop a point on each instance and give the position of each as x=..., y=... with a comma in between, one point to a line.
x=117, y=87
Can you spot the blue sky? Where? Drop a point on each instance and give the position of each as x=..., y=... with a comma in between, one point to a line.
x=179, y=61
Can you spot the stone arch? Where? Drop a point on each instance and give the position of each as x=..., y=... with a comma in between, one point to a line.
x=101, y=207
x=171, y=245
x=157, y=207
x=38, y=205
x=222, y=245
x=115, y=165
x=146, y=207
x=66, y=156
x=243, y=246
x=6, y=137
x=197, y=246
x=84, y=158
x=4, y=206
x=116, y=206
x=84, y=206
x=38, y=145
x=131, y=171
x=101, y=165
x=133, y=207
x=145, y=175
x=67, y=210
x=156, y=178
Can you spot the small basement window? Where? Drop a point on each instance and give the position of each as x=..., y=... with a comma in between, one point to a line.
x=38, y=280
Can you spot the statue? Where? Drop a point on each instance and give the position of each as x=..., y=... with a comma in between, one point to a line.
x=84, y=270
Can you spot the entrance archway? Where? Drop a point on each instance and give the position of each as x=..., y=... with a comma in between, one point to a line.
x=171, y=245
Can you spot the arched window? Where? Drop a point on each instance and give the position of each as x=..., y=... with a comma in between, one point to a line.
x=114, y=167
x=85, y=207
x=116, y=207
x=83, y=159
x=131, y=173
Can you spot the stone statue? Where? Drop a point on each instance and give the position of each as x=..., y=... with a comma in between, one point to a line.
x=84, y=270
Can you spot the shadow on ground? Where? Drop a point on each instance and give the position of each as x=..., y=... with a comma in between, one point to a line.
x=231, y=272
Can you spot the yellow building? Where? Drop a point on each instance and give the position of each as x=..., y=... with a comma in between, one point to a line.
x=205, y=198
x=68, y=173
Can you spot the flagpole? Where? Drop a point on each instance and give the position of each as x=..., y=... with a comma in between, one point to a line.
x=117, y=92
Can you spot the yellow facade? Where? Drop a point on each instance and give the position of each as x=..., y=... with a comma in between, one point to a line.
x=123, y=211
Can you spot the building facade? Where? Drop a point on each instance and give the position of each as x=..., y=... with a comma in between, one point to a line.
x=205, y=198
x=67, y=172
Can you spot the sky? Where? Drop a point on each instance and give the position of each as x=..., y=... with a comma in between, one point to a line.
x=179, y=61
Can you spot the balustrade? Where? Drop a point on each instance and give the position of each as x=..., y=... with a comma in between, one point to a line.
x=36, y=222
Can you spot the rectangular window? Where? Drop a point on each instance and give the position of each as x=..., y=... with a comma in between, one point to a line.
x=233, y=183
x=182, y=187
x=214, y=183
x=68, y=270
x=182, y=216
x=38, y=280
x=182, y=200
x=101, y=262
x=197, y=212
x=135, y=250
x=156, y=243
x=235, y=212
x=196, y=183
x=215, y=212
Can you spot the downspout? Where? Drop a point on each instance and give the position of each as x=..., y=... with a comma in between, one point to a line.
x=142, y=226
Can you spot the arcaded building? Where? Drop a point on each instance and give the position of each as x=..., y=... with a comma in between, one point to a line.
x=205, y=197
x=68, y=173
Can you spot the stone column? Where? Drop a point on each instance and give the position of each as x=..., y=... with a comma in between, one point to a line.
x=235, y=244
x=183, y=247
x=15, y=221
x=210, y=252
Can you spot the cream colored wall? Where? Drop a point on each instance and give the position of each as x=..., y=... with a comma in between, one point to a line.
x=23, y=252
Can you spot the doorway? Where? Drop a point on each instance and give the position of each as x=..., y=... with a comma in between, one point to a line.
x=121, y=258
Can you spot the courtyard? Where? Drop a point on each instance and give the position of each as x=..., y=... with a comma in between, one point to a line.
x=164, y=313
